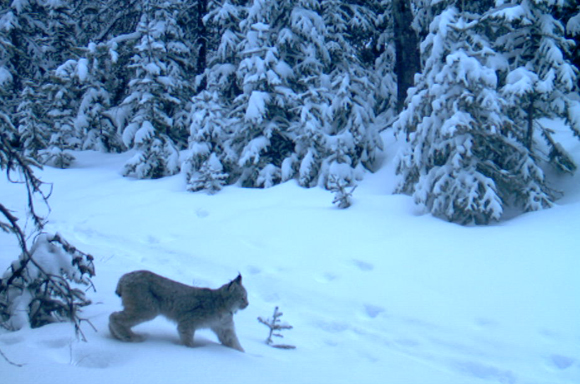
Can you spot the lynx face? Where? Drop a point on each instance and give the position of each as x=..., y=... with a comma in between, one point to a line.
x=239, y=295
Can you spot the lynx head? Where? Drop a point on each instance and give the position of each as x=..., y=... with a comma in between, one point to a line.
x=237, y=295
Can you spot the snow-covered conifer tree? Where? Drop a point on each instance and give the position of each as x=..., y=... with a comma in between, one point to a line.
x=222, y=24
x=209, y=136
x=262, y=112
x=312, y=62
x=61, y=90
x=540, y=83
x=154, y=94
x=458, y=163
x=334, y=132
x=210, y=127
x=61, y=32
x=42, y=286
x=23, y=27
x=350, y=128
x=37, y=288
x=7, y=71
x=573, y=30
x=93, y=118
x=33, y=127
x=386, y=88
x=294, y=88
x=211, y=176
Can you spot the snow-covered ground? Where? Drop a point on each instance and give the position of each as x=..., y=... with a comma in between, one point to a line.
x=376, y=293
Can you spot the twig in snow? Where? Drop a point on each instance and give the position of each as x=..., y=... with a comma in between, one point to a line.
x=276, y=327
x=10, y=362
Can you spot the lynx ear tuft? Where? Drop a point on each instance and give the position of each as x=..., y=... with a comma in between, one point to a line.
x=237, y=280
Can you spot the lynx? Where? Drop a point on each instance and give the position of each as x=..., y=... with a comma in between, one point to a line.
x=145, y=295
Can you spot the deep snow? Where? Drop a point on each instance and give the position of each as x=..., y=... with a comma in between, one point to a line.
x=376, y=293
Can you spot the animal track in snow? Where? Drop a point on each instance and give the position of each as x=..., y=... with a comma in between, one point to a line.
x=373, y=311
x=561, y=362
x=327, y=277
x=201, y=213
x=93, y=358
x=407, y=342
x=11, y=340
x=333, y=326
x=56, y=343
x=253, y=270
x=485, y=372
x=363, y=265
x=485, y=323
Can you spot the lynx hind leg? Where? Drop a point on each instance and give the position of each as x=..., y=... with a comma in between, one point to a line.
x=227, y=336
x=120, y=324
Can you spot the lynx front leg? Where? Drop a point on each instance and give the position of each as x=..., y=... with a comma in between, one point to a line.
x=186, y=332
x=227, y=336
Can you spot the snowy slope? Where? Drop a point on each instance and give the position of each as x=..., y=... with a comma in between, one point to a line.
x=376, y=293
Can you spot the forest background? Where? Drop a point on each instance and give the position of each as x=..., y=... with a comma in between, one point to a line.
x=256, y=93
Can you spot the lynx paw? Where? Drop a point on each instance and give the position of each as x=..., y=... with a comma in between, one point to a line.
x=128, y=337
x=135, y=338
x=188, y=344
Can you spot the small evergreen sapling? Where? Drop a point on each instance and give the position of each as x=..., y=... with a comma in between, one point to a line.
x=276, y=327
x=211, y=177
x=342, y=197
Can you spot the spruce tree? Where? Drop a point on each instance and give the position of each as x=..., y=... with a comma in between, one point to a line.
x=61, y=91
x=262, y=112
x=334, y=133
x=33, y=127
x=210, y=126
x=312, y=62
x=458, y=163
x=350, y=130
x=209, y=138
x=94, y=119
x=61, y=32
x=210, y=177
x=386, y=88
x=156, y=94
x=23, y=27
x=540, y=83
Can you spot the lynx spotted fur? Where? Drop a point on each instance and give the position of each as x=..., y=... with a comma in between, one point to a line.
x=145, y=295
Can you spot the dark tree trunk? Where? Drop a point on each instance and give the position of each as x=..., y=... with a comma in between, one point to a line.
x=529, y=139
x=202, y=37
x=407, y=49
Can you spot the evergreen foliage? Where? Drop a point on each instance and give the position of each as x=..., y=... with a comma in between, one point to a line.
x=342, y=197
x=37, y=288
x=456, y=152
x=259, y=92
x=209, y=133
x=155, y=93
x=32, y=125
x=262, y=111
x=93, y=119
x=61, y=90
x=540, y=80
x=40, y=286
x=211, y=177
x=473, y=145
